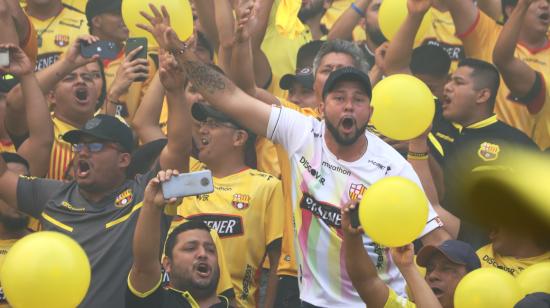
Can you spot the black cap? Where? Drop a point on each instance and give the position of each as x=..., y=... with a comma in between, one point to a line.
x=347, y=73
x=534, y=300
x=98, y=7
x=304, y=76
x=456, y=251
x=201, y=112
x=104, y=127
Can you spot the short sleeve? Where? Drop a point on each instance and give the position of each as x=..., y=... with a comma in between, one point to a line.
x=288, y=128
x=274, y=216
x=34, y=193
x=136, y=299
x=480, y=39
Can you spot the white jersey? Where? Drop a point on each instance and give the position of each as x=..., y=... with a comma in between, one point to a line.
x=321, y=184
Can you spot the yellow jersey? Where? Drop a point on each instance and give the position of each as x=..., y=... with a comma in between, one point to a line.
x=62, y=153
x=512, y=265
x=5, y=246
x=56, y=34
x=396, y=301
x=77, y=4
x=333, y=13
x=442, y=34
x=479, y=42
x=246, y=211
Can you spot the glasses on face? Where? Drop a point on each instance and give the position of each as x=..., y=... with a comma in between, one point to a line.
x=210, y=123
x=92, y=147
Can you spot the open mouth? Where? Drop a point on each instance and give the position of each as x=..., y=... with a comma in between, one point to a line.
x=545, y=17
x=348, y=123
x=437, y=291
x=203, y=269
x=81, y=94
x=83, y=168
x=204, y=141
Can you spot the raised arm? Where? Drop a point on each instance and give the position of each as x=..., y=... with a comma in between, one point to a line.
x=493, y=8
x=146, y=269
x=399, y=53
x=262, y=67
x=8, y=184
x=214, y=87
x=517, y=75
x=36, y=149
x=15, y=112
x=464, y=13
x=225, y=23
x=147, y=117
x=421, y=291
x=361, y=270
x=205, y=12
x=177, y=151
x=343, y=27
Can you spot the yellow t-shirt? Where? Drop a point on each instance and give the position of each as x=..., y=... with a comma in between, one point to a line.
x=7, y=146
x=5, y=246
x=77, y=4
x=514, y=266
x=396, y=301
x=333, y=13
x=56, y=34
x=479, y=42
x=245, y=209
x=62, y=154
x=442, y=34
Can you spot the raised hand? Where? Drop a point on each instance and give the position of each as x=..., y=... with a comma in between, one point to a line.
x=418, y=7
x=380, y=55
x=245, y=13
x=129, y=70
x=73, y=55
x=403, y=256
x=20, y=64
x=153, y=191
x=170, y=72
x=159, y=26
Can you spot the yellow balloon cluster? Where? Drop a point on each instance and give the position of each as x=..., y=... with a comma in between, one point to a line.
x=393, y=211
x=535, y=278
x=181, y=17
x=391, y=15
x=403, y=105
x=45, y=269
x=487, y=287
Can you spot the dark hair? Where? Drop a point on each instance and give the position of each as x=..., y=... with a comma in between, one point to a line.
x=306, y=54
x=103, y=94
x=204, y=42
x=486, y=76
x=430, y=60
x=171, y=241
x=15, y=158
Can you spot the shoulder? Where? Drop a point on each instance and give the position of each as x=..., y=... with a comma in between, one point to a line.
x=262, y=178
x=378, y=149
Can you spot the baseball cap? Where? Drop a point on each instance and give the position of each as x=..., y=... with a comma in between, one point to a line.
x=98, y=7
x=201, y=112
x=534, y=300
x=304, y=76
x=347, y=73
x=458, y=252
x=104, y=127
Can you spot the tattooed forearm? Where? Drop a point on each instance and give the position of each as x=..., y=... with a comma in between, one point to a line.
x=206, y=78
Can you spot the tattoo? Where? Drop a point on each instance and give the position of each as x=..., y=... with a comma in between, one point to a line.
x=205, y=78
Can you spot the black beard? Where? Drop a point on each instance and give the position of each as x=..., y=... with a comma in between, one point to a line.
x=13, y=224
x=315, y=9
x=198, y=291
x=376, y=36
x=342, y=141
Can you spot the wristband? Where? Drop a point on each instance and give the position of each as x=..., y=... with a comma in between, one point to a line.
x=417, y=156
x=357, y=9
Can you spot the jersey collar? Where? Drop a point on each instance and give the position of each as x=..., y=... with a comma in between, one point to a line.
x=481, y=124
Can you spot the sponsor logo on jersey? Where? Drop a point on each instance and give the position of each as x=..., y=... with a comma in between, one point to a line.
x=328, y=213
x=377, y=164
x=125, y=198
x=314, y=172
x=240, y=201
x=315, y=134
x=488, y=151
x=491, y=261
x=73, y=23
x=46, y=59
x=356, y=191
x=247, y=281
x=70, y=207
x=455, y=52
x=338, y=169
x=225, y=225
x=61, y=40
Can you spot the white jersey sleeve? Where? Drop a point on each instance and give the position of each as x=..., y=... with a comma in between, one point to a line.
x=288, y=128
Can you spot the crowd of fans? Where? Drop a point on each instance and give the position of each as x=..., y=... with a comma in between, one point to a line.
x=273, y=97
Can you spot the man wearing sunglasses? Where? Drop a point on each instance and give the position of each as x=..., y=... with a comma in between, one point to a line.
x=99, y=208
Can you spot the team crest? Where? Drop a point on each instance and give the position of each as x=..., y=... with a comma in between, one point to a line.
x=488, y=151
x=240, y=202
x=61, y=40
x=125, y=198
x=356, y=191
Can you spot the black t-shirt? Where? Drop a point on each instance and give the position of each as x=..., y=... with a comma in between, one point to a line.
x=167, y=298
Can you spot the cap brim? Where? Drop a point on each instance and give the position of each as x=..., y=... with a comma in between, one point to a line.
x=74, y=136
x=427, y=252
x=201, y=113
x=348, y=76
x=287, y=81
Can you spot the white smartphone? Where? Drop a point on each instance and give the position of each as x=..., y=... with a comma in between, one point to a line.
x=4, y=57
x=188, y=184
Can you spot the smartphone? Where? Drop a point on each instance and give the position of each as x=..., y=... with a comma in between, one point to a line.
x=4, y=57
x=354, y=216
x=105, y=49
x=133, y=43
x=188, y=184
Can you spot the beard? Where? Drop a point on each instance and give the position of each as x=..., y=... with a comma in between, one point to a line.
x=345, y=141
x=312, y=10
x=376, y=35
x=182, y=280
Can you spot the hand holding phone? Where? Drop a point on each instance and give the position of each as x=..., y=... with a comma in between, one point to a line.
x=132, y=44
x=105, y=49
x=188, y=184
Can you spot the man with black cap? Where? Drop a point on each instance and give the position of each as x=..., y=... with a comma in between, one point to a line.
x=445, y=265
x=99, y=208
x=300, y=87
x=332, y=161
x=245, y=207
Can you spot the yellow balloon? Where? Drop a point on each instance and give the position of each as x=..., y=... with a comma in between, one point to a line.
x=181, y=17
x=45, y=269
x=535, y=278
x=393, y=211
x=392, y=14
x=487, y=287
x=403, y=107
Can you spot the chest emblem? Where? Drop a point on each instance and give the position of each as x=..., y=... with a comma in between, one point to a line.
x=240, y=201
x=356, y=191
x=61, y=40
x=488, y=151
x=125, y=198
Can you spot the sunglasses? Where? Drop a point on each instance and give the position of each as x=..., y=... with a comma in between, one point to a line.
x=92, y=147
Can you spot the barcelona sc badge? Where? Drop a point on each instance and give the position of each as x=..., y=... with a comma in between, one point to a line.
x=488, y=151
x=125, y=198
x=61, y=40
x=240, y=201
